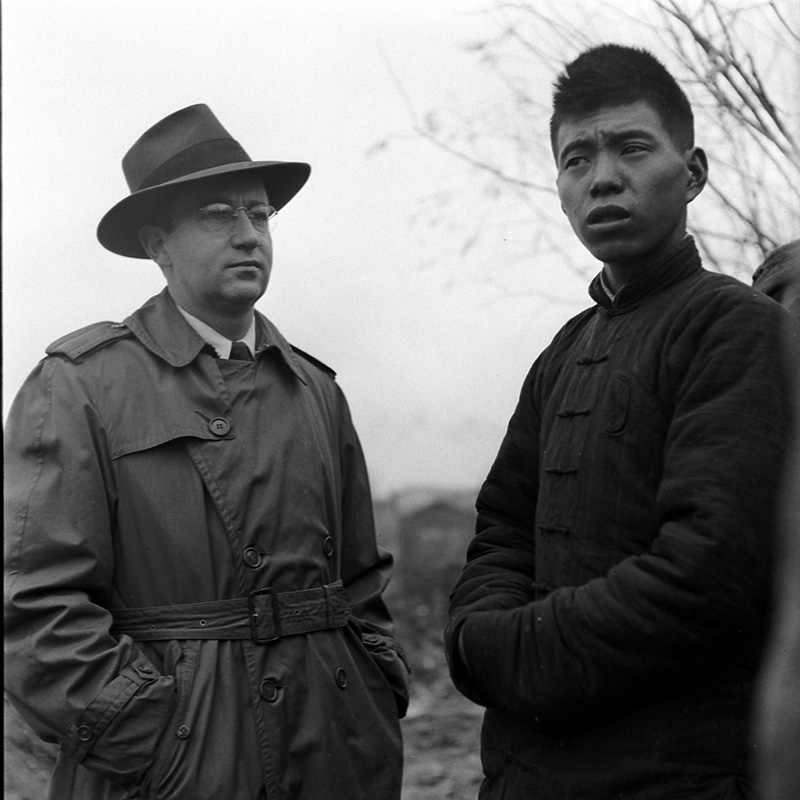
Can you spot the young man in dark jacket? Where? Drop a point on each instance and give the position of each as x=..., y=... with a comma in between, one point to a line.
x=194, y=596
x=611, y=612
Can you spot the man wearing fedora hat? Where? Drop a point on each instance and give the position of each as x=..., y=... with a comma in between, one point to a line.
x=194, y=594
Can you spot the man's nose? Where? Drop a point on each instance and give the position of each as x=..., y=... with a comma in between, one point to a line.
x=244, y=233
x=605, y=177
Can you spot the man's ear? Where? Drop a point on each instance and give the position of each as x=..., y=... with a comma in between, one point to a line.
x=697, y=165
x=152, y=238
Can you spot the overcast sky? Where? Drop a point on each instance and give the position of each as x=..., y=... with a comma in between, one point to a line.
x=431, y=366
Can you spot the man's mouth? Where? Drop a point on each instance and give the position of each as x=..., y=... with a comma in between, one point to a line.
x=605, y=214
x=245, y=264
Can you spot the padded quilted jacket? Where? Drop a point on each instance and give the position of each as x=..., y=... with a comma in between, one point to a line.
x=615, y=597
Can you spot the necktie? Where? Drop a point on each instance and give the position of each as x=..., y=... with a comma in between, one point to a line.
x=240, y=352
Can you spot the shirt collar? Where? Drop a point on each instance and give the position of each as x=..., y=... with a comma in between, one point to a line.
x=219, y=342
x=160, y=327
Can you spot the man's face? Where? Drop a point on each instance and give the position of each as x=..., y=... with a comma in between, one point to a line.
x=624, y=184
x=215, y=273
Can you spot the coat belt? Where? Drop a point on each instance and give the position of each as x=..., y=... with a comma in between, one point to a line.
x=264, y=616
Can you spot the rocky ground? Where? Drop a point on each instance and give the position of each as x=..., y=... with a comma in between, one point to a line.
x=441, y=734
x=440, y=731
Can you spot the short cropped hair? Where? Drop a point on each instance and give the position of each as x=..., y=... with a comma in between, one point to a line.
x=614, y=75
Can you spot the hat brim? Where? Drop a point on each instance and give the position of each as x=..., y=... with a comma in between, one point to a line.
x=119, y=228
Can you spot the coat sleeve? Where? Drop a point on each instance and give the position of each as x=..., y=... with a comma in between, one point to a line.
x=366, y=567
x=96, y=695
x=700, y=588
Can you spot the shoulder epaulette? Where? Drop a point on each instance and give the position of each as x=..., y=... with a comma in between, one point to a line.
x=77, y=345
x=315, y=361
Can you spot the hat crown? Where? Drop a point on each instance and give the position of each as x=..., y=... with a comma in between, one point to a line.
x=187, y=141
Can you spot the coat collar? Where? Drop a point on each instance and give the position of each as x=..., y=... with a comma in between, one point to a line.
x=162, y=329
x=665, y=272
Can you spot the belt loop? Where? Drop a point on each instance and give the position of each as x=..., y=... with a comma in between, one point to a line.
x=328, y=606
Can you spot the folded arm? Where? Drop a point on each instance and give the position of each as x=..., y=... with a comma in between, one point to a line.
x=701, y=585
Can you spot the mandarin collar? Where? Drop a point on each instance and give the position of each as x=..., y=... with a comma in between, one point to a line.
x=660, y=275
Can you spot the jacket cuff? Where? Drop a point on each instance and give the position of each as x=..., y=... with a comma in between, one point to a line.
x=458, y=661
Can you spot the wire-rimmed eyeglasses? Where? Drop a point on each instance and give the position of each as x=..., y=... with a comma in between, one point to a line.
x=222, y=217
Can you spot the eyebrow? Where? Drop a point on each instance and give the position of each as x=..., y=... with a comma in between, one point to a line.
x=588, y=142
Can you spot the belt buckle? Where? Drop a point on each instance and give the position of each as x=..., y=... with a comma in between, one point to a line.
x=254, y=616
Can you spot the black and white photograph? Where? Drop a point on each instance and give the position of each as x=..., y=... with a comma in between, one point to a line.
x=401, y=400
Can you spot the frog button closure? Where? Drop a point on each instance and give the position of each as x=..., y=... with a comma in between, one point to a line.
x=219, y=426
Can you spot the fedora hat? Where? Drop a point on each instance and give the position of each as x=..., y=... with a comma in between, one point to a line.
x=188, y=145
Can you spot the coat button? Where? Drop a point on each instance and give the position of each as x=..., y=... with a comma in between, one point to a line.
x=341, y=678
x=183, y=732
x=268, y=690
x=145, y=669
x=327, y=546
x=251, y=557
x=84, y=733
x=219, y=426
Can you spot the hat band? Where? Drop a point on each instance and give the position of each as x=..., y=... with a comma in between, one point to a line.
x=204, y=155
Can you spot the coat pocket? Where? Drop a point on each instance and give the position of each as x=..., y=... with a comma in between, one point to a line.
x=180, y=660
x=387, y=656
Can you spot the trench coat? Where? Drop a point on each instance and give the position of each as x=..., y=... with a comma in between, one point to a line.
x=614, y=602
x=194, y=590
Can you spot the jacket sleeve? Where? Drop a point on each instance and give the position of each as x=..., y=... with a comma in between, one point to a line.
x=96, y=695
x=698, y=591
x=500, y=571
x=366, y=567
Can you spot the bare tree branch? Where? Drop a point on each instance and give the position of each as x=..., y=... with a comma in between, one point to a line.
x=732, y=55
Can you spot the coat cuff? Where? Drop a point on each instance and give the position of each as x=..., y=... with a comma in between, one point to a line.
x=117, y=733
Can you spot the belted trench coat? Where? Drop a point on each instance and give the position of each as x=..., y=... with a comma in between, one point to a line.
x=194, y=590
